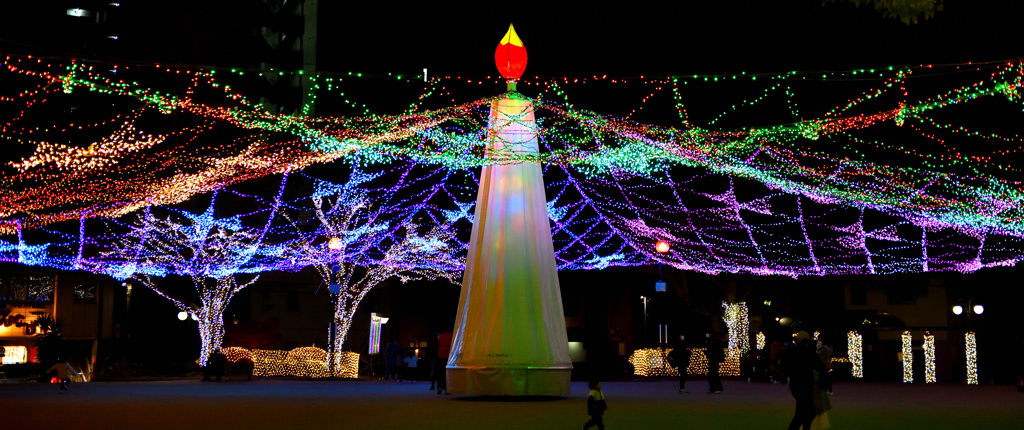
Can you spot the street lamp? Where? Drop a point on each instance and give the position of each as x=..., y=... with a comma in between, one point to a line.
x=182, y=316
x=662, y=247
x=970, y=309
x=970, y=339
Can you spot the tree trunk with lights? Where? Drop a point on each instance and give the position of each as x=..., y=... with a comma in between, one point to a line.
x=211, y=314
x=344, y=311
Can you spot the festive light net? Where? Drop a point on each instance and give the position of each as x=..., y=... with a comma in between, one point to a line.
x=877, y=182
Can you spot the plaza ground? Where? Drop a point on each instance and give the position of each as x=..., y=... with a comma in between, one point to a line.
x=295, y=404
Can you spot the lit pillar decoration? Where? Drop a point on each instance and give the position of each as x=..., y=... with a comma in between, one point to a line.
x=971, y=345
x=374, y=333
x=510, y=337
x=929, y=358
x=908, y=357
x=737, y=324
x=853, y=345
x=760, y=341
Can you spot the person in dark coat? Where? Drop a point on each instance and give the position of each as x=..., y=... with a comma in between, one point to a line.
x=716, y=355
x=799, y=363
x=444, y=348
x=218, y=364
x=679, y=358
x=595, y=406
x=391, y=360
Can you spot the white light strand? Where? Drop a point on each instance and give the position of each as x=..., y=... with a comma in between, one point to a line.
x=929, y=358
x=971, y=345
x=854, y=341
x=908, y=357
x=737, y=323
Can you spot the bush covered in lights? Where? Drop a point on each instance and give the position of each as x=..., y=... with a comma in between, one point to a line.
x=650, y=362
x=307, y=362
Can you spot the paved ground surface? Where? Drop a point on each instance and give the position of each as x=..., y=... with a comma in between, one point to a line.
x=293, y=404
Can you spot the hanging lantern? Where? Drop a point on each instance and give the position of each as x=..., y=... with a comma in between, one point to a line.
x=510, y=57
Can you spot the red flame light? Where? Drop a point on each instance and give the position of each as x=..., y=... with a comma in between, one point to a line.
x=510, y=57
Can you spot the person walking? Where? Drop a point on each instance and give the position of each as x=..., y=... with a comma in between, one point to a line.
x=444, y=348
x=431, y=360
x=715, y=355
x=218, y=364
x=799, y=363
x=824, y=351
x=391, y=361
x=63, y=374
x=595, y=406
x=411, y=363
x=679, y=358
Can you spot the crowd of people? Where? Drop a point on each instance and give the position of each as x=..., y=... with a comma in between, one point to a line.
x=804, y=364
x=410, y=366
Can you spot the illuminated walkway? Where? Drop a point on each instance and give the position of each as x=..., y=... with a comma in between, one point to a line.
x=284, y=404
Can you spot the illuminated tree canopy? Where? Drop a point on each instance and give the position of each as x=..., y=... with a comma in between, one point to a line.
x=868, y=171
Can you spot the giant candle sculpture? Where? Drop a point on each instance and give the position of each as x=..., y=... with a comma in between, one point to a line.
x=510, y=335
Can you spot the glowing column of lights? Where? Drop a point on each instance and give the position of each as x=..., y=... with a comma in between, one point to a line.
x=737, y=323
x=853, y=342
x=929, y=358
x=375, y=323
x=971, y=345
x=760, y=341
x=908, y=357
x=739, y=340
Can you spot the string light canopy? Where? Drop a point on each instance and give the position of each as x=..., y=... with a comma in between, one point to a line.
x=764, y=195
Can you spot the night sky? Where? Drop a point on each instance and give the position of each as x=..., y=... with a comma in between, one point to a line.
x=564, y=39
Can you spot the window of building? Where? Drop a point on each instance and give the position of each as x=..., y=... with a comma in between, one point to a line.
x=85, y=292
x=14, y=354
x=33, y=288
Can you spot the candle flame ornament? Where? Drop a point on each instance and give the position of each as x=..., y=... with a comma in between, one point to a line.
x=510, y=57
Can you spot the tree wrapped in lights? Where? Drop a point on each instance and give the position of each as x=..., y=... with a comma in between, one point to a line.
x=737, y=322
x=929, y=358
x=214, y=253
x=355, y=249
x=854, y=344
x=908, y=357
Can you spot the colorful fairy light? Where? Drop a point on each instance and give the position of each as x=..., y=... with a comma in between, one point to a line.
x=211, y=251
x=854, y=343
x=619, y=184
x=929, y=358
x=375, y=327
x=907, y=357
x=761, y=341
x=971, y=348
